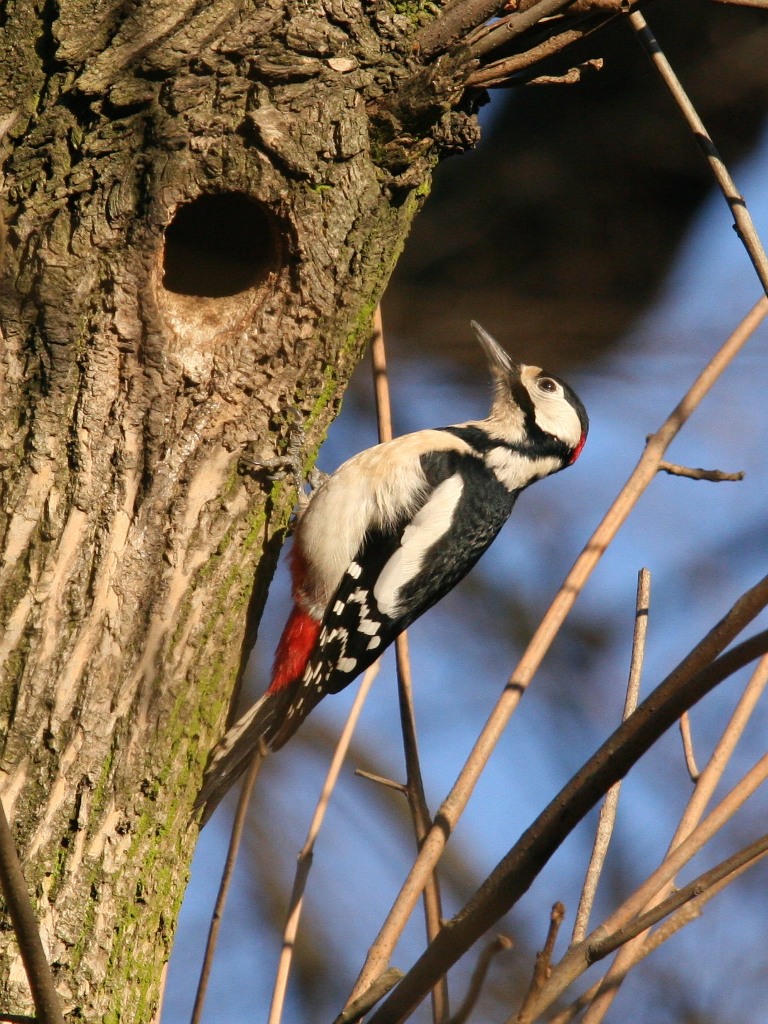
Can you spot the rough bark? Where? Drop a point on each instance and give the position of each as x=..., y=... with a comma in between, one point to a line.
x=137, y=368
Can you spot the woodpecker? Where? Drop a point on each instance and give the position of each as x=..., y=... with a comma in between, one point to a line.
x=390, y=533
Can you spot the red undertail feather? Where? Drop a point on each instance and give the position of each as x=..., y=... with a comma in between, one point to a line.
x=296, y=644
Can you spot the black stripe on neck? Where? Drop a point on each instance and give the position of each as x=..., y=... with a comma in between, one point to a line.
x=536, y=444
x=478, y=439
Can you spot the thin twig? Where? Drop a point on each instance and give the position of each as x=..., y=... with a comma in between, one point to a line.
x=610, y=805
x=715, y=475
x=688, y=753
x=487, y=954
x=573, y=76
x=692, y=680
x=454, y=804
x=26, y=929
x=743, y=224
x=305, y=856
x=399, y=787
x=462, y=17
x=499, y=70
x=354, y=1011
x=702, y=794
x=543, y=967
x=577, y=959
x=699, y=886
x=678, y=919
x=226, y=877
x=414, y=790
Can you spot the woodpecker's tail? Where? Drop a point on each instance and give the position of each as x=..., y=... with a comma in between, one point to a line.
x=273, y=719
x=266, y=726
x=230, y=757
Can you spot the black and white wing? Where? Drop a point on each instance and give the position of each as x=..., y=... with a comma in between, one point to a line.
x=402, y=571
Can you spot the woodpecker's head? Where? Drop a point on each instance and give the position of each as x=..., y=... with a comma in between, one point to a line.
x=535, y=409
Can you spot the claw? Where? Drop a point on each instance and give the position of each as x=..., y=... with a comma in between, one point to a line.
x=290, y=464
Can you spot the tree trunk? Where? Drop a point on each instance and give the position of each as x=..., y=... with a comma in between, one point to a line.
x=201, y=216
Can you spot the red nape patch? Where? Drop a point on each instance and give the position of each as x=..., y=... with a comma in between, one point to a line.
x=299, y=637
x=577, y=449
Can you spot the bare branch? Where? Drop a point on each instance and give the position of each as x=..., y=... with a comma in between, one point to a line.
x=577, y=959
x=690, y=758
x=713, y=772
x=699, y=886
x=502, y=69
x=381, y=378
x=454, y=804
x=715, y=475
x=499, y=74
x=705, y=787
x=543, y=965
x=743, y=224
x=610, y=805
x=570, y=77
x=693, y=678
x=688, y=912
x=460, y=18
x=357, y=1009
x=491, y=950
x=399, y=787
x=763, y=4
x=26, y=930
x=305, y=856
x=414, y=789
x=682, y=853
x=226, y=877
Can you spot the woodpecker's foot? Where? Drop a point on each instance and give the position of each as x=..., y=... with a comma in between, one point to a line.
x=290, y=464
x=276, y=468
x=312, y=480
x=280, y=466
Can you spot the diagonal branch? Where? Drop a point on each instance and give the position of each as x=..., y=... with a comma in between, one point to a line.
x=702, y=794
x=26, y=929
x=743, y=223
x=307, y=851
x=698, y=887
x=460, y=18
x=610, y=805
x=693, y=678
x=235, y=838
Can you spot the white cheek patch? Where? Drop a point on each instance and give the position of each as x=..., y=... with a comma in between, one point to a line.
x=557, y=416
x=428, y=526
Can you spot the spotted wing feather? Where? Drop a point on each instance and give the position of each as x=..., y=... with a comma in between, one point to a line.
x=356, y=629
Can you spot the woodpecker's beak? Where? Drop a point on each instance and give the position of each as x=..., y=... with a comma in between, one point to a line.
x=497, y=357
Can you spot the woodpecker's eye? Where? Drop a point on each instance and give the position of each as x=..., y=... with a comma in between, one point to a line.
x=547, y=385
